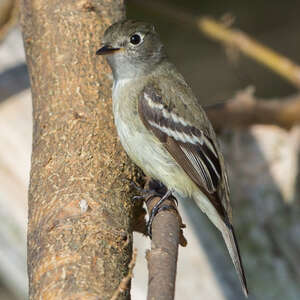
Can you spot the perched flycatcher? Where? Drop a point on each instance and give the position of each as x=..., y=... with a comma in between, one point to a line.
x=164, y=129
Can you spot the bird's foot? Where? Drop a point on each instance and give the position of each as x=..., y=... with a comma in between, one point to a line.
x=157, y=208
x=148, y=193
x=154, y=189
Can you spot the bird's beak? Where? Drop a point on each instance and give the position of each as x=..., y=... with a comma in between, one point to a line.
x=105, y=50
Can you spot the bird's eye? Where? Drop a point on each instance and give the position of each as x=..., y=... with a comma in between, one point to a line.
x=135, y=39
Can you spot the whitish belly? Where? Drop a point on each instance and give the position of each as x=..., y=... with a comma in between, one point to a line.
x=151, y=156
x=144, y=148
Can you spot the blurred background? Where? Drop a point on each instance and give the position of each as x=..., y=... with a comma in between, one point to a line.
x=263, y=161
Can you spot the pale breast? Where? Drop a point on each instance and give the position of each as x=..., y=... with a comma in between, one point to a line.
x=141, y=145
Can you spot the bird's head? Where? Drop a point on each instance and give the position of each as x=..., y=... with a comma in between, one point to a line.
x=132, y=48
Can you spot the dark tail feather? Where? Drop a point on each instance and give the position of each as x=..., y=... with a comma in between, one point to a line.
x=233, y=248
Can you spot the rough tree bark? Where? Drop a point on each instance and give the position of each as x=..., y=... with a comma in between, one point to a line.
x=79, y=231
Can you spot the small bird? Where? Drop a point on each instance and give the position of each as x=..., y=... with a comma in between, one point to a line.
x=163, y=128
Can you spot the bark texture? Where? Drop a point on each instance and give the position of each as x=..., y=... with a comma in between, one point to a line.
x=79, y=231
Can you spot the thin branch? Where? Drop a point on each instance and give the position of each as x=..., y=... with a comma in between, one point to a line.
x=126, y=280
x=245, y=110
x=9, y=17
x=162, y=258
x=219, y=31
x=250, y=47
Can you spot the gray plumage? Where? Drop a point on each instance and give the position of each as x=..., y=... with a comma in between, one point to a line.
x=164, y=129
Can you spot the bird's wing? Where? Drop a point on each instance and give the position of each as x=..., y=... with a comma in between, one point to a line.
x=192, y=148
x=195, y=150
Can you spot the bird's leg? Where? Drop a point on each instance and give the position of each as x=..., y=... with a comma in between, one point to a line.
x=154, y=189
x=148, y=193
x=157, y=208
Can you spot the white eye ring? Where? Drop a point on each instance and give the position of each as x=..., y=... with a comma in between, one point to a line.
x=136, y=39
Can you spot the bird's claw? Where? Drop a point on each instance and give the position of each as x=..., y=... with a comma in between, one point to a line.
x=156, y=189
x=145, y=193
x=156, y=209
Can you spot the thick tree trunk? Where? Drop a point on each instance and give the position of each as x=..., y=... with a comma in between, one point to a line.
x=79, y=231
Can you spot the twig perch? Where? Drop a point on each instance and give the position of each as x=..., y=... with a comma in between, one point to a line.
x=162, y=258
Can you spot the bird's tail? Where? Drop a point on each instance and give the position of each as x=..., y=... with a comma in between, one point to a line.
x=233, y=249
x=228, y=236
